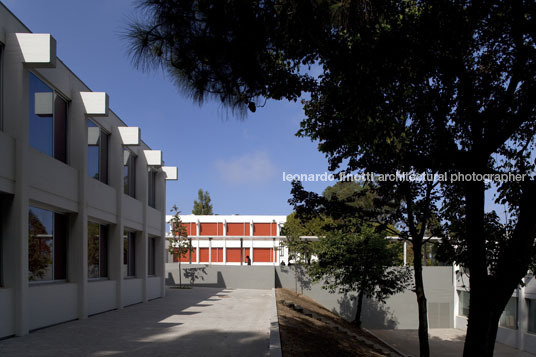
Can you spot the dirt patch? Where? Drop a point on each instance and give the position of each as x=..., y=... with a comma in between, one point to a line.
x=303, y=335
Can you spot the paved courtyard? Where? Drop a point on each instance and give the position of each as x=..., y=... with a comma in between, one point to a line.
x=190, y=322
x=443, y=343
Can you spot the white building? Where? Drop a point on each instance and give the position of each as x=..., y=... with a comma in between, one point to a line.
x=82, y=197
x=231, y=239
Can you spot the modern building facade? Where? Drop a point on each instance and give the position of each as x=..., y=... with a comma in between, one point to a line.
x=232, y=239
x=517, y=325
x=82, y=197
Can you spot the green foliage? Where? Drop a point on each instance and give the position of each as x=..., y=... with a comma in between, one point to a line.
x=202, y=205
x=301, y=250
x=359, y=262
x=179, y=244
x=410, y=86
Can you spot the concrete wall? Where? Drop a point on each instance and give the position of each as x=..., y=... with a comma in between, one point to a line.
x=222, y=276
x=399, y=311
x=6, y=311
x=31, y=178
x=52, y=303
x=101, y=296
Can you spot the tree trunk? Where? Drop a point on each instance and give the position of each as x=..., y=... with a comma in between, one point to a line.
x=482, y=327
x=180, y=272
x=357, y=320
x=424, y=347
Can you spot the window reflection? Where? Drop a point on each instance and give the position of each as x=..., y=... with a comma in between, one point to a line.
x=41, y=110
x=48, y=120
x=41, y=244
x=93, y=143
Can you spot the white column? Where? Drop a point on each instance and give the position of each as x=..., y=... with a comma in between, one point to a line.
x=197, y=250
x=225, y=250
x=405, y=254
x=15, y=240
x=522, y=315
x=116, y=231
x=210, y=251
x=142, y=195
x=78, y=241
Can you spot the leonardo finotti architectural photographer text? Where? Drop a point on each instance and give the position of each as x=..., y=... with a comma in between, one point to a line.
x=406, y=176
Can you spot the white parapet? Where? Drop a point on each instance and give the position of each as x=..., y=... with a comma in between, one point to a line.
x=130, y=135
x=153, y=157
x=172, y=172
x=44, y=103
x=95, y=103
x=37, y=49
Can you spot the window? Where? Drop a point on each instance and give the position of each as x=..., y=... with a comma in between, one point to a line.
x=129, y=172
x=47, y=245
x=129, y=254
x=97, y=152
x=1, y=86
x=532, y=315
x=151, y=267
x=48, y=120
x=463, y=303
x=509, y=316
x=152, y=188
x=97, y=250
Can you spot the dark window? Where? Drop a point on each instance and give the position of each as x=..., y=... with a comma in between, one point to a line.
x=151, y=268
x=152, y=187
x=1, y=87
x=532, y=315
x=47, y=245
x=129, y=172
x=48, y=120
x=509, y=316
x=463, y=303
x=97, y=259
x=97, y=152
x=129, y=254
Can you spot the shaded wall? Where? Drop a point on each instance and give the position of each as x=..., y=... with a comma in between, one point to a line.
x=400, y=310
x=222, y=276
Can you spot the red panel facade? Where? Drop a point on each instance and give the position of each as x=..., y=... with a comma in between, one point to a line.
x=211, y=229
x=203, y=255
x=262, y=255
x=264, y=229
x=217, y=255
x=238, y=229
x=233, y=255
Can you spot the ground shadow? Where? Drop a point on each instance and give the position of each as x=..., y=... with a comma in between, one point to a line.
x=136, y=330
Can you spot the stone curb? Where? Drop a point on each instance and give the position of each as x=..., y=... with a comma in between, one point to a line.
x=275, y=340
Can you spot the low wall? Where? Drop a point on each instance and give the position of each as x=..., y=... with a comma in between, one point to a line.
x=222, y=276
x=400, y=310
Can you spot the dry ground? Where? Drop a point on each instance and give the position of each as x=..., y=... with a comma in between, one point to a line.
x=305, y=336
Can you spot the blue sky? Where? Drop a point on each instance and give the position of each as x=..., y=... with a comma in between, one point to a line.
x=238, y=161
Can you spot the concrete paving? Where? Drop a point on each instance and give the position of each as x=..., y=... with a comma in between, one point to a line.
x=189, y=322
x=443, y=343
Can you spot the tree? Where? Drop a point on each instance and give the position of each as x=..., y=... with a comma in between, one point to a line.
x=411, y=86
x=202, y=205
x=300, y=249
x=179, y=244
x=359, y=262
x=401, y=209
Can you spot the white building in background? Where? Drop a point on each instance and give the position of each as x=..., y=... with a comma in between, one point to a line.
x=82, y=197
x=231, y=239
